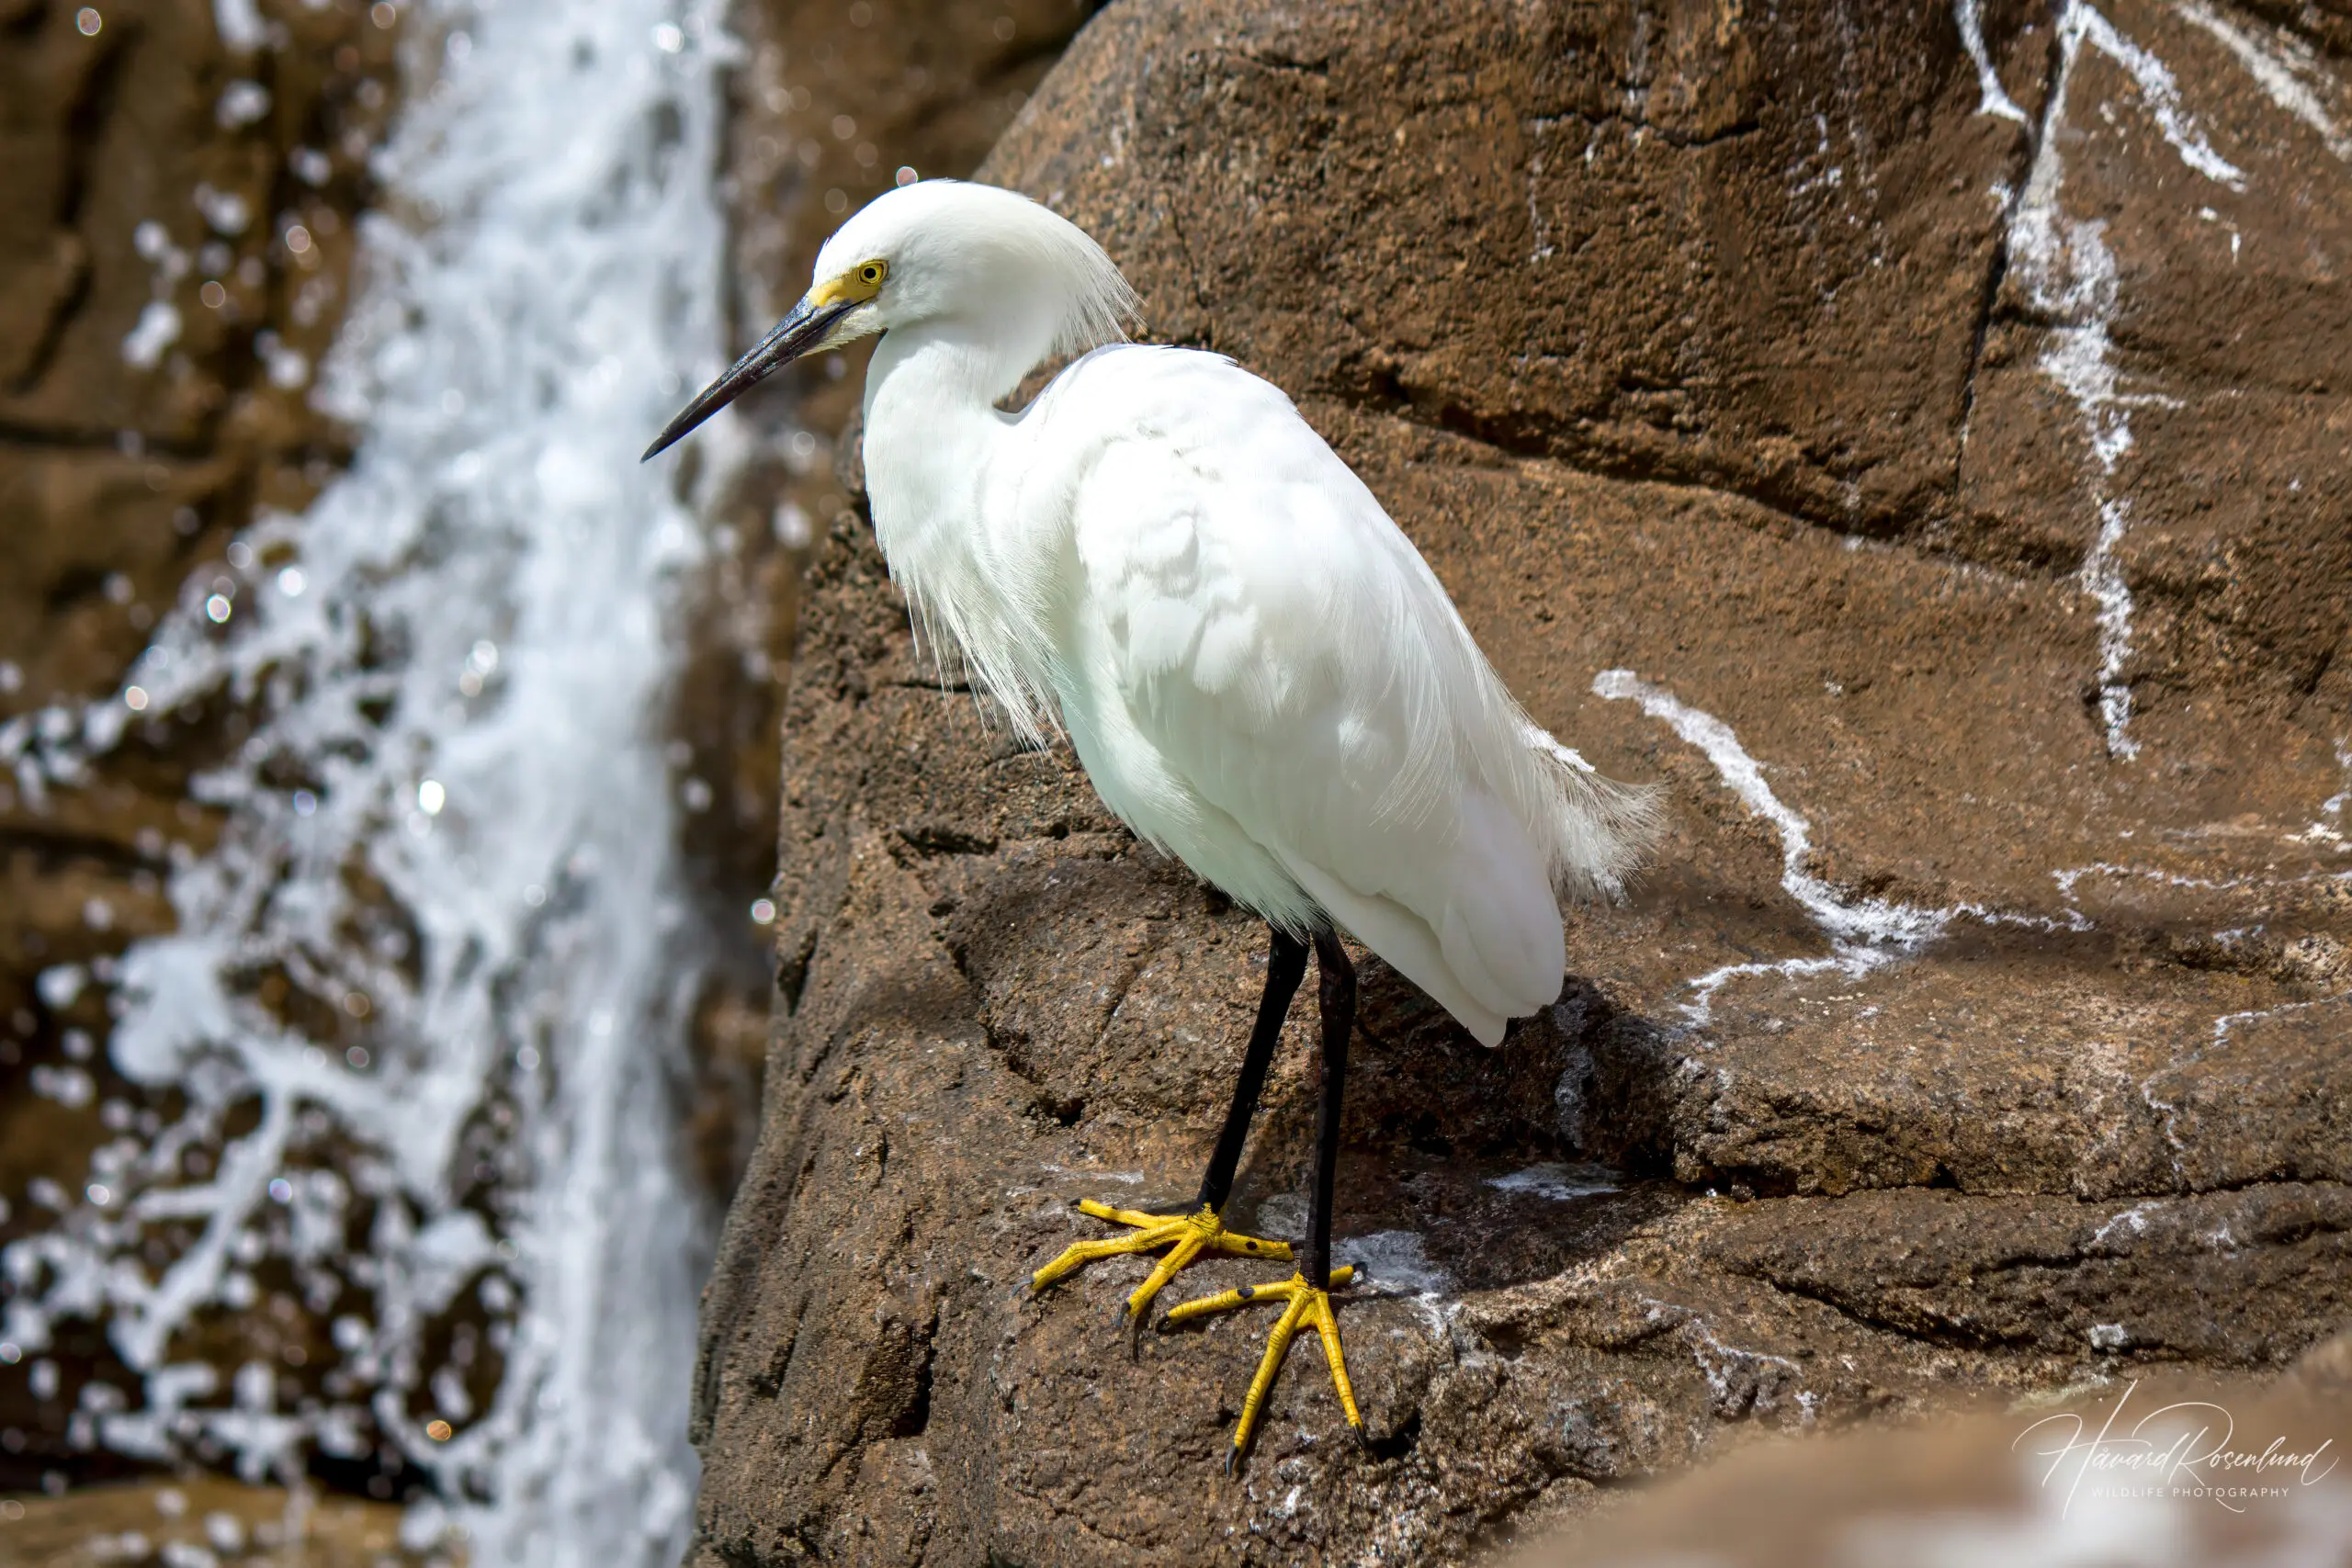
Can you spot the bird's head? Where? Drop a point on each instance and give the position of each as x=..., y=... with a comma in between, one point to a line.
x=1015, y=279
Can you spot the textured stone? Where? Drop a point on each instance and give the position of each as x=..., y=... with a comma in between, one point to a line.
x=1742, y=352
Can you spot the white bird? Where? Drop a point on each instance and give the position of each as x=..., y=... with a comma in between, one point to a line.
x=1259, y=672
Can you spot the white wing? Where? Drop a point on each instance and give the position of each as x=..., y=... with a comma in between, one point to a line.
x=1262, y=655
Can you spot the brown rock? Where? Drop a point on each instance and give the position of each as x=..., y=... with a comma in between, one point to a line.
x=1743, y=354
x=200, y=1520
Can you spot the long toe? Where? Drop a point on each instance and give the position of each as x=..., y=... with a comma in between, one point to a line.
x=1188, y=1237
x=1303, y=1305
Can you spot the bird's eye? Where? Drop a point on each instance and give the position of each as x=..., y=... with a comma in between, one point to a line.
x=872, y=272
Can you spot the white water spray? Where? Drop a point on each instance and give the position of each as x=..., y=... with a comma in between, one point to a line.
x=452, y=820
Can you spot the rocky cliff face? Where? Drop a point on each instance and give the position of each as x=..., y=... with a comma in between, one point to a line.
x=1916, y=437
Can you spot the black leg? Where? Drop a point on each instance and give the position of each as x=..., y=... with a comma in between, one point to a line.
x=1306, y=1298
x=1338, y=988
x=1286, y=966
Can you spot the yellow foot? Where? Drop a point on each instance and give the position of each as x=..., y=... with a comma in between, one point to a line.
x=1185, y=1235
x=1303, y=1304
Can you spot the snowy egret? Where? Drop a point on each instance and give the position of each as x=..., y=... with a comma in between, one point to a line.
x=1259, y=672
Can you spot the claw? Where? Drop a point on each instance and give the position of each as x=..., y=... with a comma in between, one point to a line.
x=1186, y=1236
x=1304, y=1304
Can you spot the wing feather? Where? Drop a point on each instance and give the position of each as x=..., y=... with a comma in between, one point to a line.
x=1254, y=625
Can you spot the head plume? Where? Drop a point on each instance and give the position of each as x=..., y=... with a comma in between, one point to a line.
x=958, y=251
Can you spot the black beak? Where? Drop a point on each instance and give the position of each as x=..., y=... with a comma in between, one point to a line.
x=795, y=335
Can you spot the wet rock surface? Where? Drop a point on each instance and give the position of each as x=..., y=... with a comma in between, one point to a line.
x=1923, y=454
x=173, y=261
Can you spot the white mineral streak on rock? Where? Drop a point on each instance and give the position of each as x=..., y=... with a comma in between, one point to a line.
x=1996, y=99
x=2131, y=1222
x=2283, y=66
x=2069, y=275
x=2069, y=878
x=1863, y=933
x=1740, y=1382
x=2167, y=1111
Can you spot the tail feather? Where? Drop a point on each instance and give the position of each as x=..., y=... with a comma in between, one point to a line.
x=1482, y=934
x=1602, y=830
x=1405, y=941
x=1500, y=929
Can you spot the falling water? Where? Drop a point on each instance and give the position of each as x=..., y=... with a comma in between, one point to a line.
x=428, y=995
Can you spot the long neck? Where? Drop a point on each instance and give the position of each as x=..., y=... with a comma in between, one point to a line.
x=931, y=429
x=943, y=469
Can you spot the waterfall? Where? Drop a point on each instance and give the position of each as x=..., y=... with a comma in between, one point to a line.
x=428, y=995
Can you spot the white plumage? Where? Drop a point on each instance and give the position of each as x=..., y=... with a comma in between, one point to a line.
x=1259, y=672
